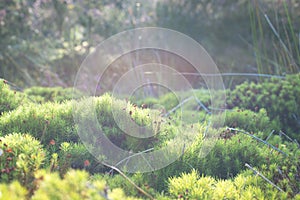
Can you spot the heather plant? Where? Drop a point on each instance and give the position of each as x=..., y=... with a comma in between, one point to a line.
x=22, y=155
x=279, y=97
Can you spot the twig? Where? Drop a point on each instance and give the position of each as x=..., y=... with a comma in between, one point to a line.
x=17, y=88
x=270, y=135
x=202, y=105
x=281, y=132
x=129, y=180
x=258, y=139
x=127, y=158
x=266, y=179
x=178, y=106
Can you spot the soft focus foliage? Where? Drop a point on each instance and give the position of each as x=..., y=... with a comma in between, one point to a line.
x=55, y=94
x=21, y=157
x=9, y=99
x=43, y=42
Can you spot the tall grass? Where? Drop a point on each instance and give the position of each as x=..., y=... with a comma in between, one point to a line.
x=274, y=36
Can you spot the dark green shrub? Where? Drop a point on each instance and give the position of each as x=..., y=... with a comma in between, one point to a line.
x=9, y=99
x=21, y=156
x=56, y=94
x=280, y=98
x=250, y=121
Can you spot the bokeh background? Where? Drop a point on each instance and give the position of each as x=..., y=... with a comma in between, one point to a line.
x=43, y=42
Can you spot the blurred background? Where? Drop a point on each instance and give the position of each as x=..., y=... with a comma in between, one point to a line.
x=43, y=42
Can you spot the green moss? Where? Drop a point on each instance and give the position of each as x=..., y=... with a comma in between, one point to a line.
x=54, y=94
x=9, y=99
x=193, y=186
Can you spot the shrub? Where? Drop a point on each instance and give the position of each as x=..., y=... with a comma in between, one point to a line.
x=52, y=123
x=22, y=156
x=280, y=98
x=48, y=122
x=229, y=155
x=285, y=173
x=54, y=94
x=116, y=118
x=226, y=159
x=250, y=121
x=9, y=99
x=193, y=186
x=169, y=100
x=189, y=186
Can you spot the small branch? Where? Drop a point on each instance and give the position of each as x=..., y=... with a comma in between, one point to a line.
x=282, y=133
x=258, y=139
x=270, y=135
x=202, y=105
x=129, y=180
x=178, y=106
x=290, y=139
x=136, y=154
x=265, y=178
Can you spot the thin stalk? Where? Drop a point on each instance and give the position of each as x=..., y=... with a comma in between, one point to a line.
x=265, y=178
x=294, y=37
x=178, y=106
x=129, y=180
x=258, y=139
x=278, y=37
x=136, y=154
x=255, y=38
